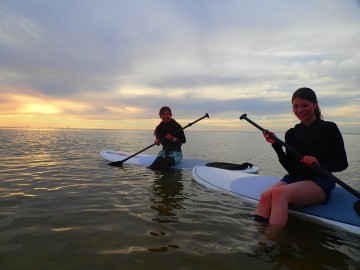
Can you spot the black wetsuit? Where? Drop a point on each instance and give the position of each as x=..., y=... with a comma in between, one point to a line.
x=171, y=153
x=175, y=129
x=321, y=139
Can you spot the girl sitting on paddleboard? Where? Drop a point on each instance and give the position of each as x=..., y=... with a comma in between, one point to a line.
x=321, y=142
x=170, y=135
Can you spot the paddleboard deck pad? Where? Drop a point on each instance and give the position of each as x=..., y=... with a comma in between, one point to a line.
x=338, y=212
x=187, y=163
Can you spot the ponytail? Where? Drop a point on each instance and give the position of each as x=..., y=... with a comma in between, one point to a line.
x=318, y=113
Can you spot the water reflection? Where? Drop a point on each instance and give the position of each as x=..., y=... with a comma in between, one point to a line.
x=282, y=246
x=59, y=200
x=168, y=195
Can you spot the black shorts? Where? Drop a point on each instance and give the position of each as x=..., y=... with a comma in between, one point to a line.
x=326, y=184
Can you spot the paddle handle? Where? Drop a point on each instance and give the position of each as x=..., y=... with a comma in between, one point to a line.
x=201, y=118
x=300, y=156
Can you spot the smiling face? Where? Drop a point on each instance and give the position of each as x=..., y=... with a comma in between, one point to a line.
x=166, y=116
x=304, y=110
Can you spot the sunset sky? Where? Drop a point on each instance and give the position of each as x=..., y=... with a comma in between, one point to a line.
x=114, y=63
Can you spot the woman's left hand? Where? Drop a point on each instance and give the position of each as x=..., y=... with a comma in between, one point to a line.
x=157, y=142
x=309, y=160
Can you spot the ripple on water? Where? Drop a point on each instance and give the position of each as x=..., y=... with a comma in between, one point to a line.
x=61, y=207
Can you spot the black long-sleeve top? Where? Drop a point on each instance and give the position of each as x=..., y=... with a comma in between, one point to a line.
x=321, y=139
x=175, y=129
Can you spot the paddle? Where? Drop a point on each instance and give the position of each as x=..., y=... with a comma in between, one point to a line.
x=119, y=163
x=315, y=166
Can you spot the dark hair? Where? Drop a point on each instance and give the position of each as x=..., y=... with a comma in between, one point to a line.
x=309, y=95
x=164, y=109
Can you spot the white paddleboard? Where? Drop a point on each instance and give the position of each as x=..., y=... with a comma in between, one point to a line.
x=338, y=212
x=187, y=163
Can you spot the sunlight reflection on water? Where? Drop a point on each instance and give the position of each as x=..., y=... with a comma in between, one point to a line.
x=59, y=199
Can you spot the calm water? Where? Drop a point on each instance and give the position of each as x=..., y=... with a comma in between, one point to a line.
x=62, y=207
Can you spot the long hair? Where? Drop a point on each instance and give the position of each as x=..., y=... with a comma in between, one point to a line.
x=309, y=95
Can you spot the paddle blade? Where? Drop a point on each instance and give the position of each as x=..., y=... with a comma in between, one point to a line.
x=357, y=207
x=230, y=166
x=116, y=163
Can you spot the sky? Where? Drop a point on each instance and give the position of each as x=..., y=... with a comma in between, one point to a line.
x=114, y=63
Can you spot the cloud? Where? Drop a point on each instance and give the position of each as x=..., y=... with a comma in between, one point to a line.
x=104, y=60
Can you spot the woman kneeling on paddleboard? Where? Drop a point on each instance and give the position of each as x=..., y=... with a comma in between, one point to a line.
x=170, y=135
x=321, y=142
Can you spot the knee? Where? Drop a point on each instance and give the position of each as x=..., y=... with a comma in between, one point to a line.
x=279, y=195
x=265, y=197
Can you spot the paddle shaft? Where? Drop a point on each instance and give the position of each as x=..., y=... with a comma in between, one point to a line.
x=301, y=156
x=119, y=163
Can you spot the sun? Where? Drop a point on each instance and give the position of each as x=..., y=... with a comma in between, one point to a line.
x=36, y=108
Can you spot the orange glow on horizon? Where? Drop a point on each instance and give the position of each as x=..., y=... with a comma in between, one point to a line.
x=30, y=108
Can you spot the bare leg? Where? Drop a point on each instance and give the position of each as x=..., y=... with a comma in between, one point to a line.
x=264, y=207
x=300, y=193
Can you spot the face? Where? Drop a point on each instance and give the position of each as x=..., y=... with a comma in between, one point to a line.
x=166, y=116
x=304, y=110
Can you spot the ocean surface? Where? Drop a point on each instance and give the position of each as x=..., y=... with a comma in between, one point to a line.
x=62, y=207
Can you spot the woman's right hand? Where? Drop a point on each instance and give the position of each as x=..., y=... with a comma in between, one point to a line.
x=268, y=137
